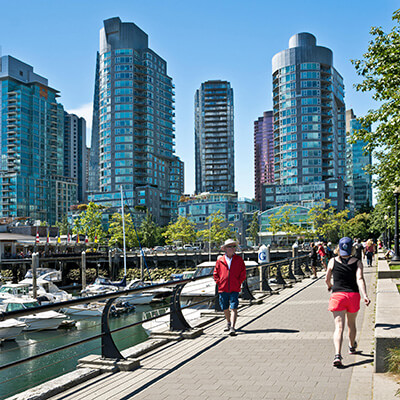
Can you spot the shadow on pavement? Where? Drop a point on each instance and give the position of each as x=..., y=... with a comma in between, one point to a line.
x=369, y=361
x=268, y=330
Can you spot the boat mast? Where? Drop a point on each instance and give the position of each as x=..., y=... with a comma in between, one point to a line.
x=123, y=229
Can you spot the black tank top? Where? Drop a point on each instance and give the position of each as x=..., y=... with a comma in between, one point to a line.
x=344, y=275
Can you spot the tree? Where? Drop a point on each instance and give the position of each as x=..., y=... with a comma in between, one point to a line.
x=64, y=226
x=116, y=232
x=328, y=223
x=358, y=227
x=380, y=70
x=89, y=223
x=218, y=232
x=254, y=229
x=180, y=231
x=275, y=224
x=148, y=230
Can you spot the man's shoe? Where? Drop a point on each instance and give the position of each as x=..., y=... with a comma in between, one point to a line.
x=353, y=350
x=228, y=327
x=232, y=332
x=337, y=361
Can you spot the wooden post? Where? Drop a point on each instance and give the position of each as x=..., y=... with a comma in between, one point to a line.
x=83, y=269
x=35, y=264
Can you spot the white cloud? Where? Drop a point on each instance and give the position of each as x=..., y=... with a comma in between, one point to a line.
x=85, y=111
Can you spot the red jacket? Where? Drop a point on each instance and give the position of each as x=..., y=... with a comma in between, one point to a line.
x=229, y=280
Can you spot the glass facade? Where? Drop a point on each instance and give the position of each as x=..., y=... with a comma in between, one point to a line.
x=32, y=136
x=75, y=153
x=309, y=117
x=357, y=179
x=214, y=138
x=135, y=123
x=263, y=152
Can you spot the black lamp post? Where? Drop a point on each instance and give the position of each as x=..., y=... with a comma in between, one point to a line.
x=396, y=256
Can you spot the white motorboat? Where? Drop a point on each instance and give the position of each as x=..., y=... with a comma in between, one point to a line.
x=162, y=323
x=103, y=285
x=48, y=274
x=84, y=310
x=12, y=290
x=47, y=320
x=140, y=297
x=47, y=291
x=10, y=329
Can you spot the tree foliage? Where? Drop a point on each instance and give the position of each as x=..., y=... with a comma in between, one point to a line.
x=254, y=228
x=116, y=233
x=89, y=223
x=328, y=223
x=149, y=232
x=64, y=226
x=219, y=230
x=182, y=231
x=380, y=70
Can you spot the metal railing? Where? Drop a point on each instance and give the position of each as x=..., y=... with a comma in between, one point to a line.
x=279, y=274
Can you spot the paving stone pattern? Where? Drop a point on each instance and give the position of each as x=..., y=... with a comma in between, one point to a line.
x=283, y=350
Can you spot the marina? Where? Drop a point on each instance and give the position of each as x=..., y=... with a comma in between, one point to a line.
x=17, y=379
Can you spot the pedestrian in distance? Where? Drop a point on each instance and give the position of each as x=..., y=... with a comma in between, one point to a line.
x=314, y=260
x=370, y=250
x=322, y=254
x=358, y=249
x=229, y=274
x=348, y=283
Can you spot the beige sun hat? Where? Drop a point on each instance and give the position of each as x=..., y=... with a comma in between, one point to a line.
x=229, y=242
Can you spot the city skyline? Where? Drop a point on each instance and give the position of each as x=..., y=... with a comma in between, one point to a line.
x=189, y=47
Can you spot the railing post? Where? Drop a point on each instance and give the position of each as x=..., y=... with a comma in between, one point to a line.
x=217, y=306
x=279, y=277
x=108, y=347
x=307, y=270
x=177, y=320
x=291, y=276
x=296, y=262
x=246, y=294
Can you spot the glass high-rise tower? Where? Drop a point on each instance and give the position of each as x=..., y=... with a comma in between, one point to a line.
x=214, y=138
x=32, y=179
x=309, y=126
x=75, y=152
x=357, y=179
x=134, y=122
x=263, y=153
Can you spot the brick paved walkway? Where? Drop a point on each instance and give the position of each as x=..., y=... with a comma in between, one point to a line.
x=283, y=350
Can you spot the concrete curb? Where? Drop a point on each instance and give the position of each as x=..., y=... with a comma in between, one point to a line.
x=387, y=322
x=57, y=385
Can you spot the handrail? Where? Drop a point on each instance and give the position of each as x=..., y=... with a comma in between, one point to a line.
x=175, y=310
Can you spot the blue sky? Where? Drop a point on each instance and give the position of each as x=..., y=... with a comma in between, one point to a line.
x=221, y=39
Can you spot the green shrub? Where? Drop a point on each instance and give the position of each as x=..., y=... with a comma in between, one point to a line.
x=394, y=360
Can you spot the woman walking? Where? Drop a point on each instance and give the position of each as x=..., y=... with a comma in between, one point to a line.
x=348, y=282
x=370, y=251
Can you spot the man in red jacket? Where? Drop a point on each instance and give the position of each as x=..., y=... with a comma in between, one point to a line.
x=229, y=274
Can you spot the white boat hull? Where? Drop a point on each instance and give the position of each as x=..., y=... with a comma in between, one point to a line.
x=49, y=320
x=10, y=329
x=83, y=311
x=140, y=298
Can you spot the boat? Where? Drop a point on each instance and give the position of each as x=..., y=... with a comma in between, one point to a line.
x=103, y=285
x=144, y=297
x=48, y=274
x=12, y=290
x=10, y=329
x=162, y=323
x=47, y=320
x=46, y=292
x=205, y=288
x=84, y=310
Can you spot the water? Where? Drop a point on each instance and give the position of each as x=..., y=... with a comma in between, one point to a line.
x=19, y=378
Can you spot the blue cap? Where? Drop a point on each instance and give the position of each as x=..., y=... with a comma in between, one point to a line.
x=345, y=246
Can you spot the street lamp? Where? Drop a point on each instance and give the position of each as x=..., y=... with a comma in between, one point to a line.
x=396, y=193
